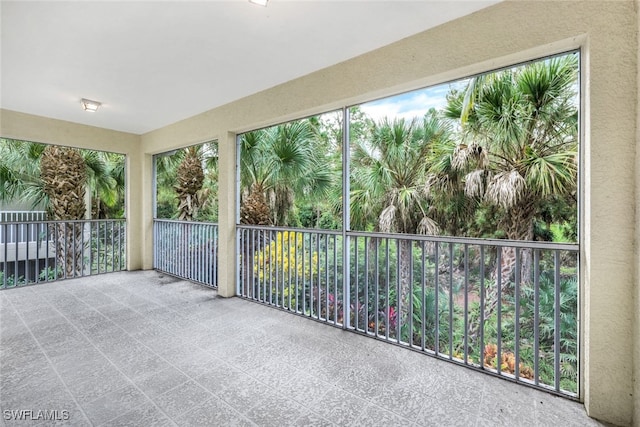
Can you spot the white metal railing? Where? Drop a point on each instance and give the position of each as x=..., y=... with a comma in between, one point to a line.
x=509, y=308
x=187, y=249
x=53, y=250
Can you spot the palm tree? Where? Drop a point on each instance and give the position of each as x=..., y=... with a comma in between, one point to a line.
x=106, y=183
x=519, y=140
x=57, y=179
x=518, y=149
x=389, y=191
x=20, y=172
x=190, y=177
x=389, y=175
x=20, y=177
x=281, y=163
x=64, y=177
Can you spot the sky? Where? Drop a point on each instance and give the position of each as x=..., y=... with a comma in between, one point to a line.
x=411, y=104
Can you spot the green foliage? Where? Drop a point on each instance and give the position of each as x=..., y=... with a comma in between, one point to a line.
x=49, y=274
x=20, y=177
x=517, y=145
x=11, y=280
x=167, y=200
x=290, y=165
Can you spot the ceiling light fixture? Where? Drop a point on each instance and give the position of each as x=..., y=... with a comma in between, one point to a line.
x=89, y=105
x=259, y=2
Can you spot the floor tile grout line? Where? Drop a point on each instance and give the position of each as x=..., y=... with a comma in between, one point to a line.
x=336, y=385
x=110, y=361
x=47, y=300
x=52, y=366
x=190, y=378
x=213, y=396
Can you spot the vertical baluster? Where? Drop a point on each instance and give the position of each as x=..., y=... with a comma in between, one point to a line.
x=26, y=262
x=304, y=274
x=16, y=280
x=82, y=246
x=466, y=303
x=482, y=302
x=377, y=286
x=161, y=240
x=517, y=319
x=113, y=245
x=5, y=265
x=106, y=246
x=38, y=235
x=556, y=321
x=366, y=284
x=398, y=291
x=121, y=232
x=266, y=248
x=47, y=256
x=388, y=304
x=295, y=257
x=326, y=276
x=276, y=245
x=269, y=266
x=318, y=281
x=499, y=302
x=437, y=297
x=250, y=251
x=311, y=304
x=423, y=314
x=450, y=301
x=357, y=282
x=214, y=254
x=72, y=226
x=335, y=279
x=284, y=256
x=409, y=243
x=536, y=316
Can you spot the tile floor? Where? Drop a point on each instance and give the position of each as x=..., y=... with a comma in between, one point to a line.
x=146, y=349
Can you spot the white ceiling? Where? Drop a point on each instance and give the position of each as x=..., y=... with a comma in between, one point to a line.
x=152, y=63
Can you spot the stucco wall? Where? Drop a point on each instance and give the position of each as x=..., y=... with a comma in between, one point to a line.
x=501, y=35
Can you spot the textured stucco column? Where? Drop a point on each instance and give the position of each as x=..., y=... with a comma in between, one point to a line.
x=227, y=215
x=136, y=191
x=144, y=218
x=609, y=213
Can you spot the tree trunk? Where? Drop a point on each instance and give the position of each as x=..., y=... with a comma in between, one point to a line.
x=404, y=281
x=64, y=177
x=518, y=224
x=70, y=249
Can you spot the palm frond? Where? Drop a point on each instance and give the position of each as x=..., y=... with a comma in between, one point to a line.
x=505, y=189
x=428, y=226
x=474, y=184
x=387, y=219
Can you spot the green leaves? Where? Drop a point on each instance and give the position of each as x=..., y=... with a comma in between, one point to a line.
x=525, y=120
x=389, y=174
x=284, y=162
